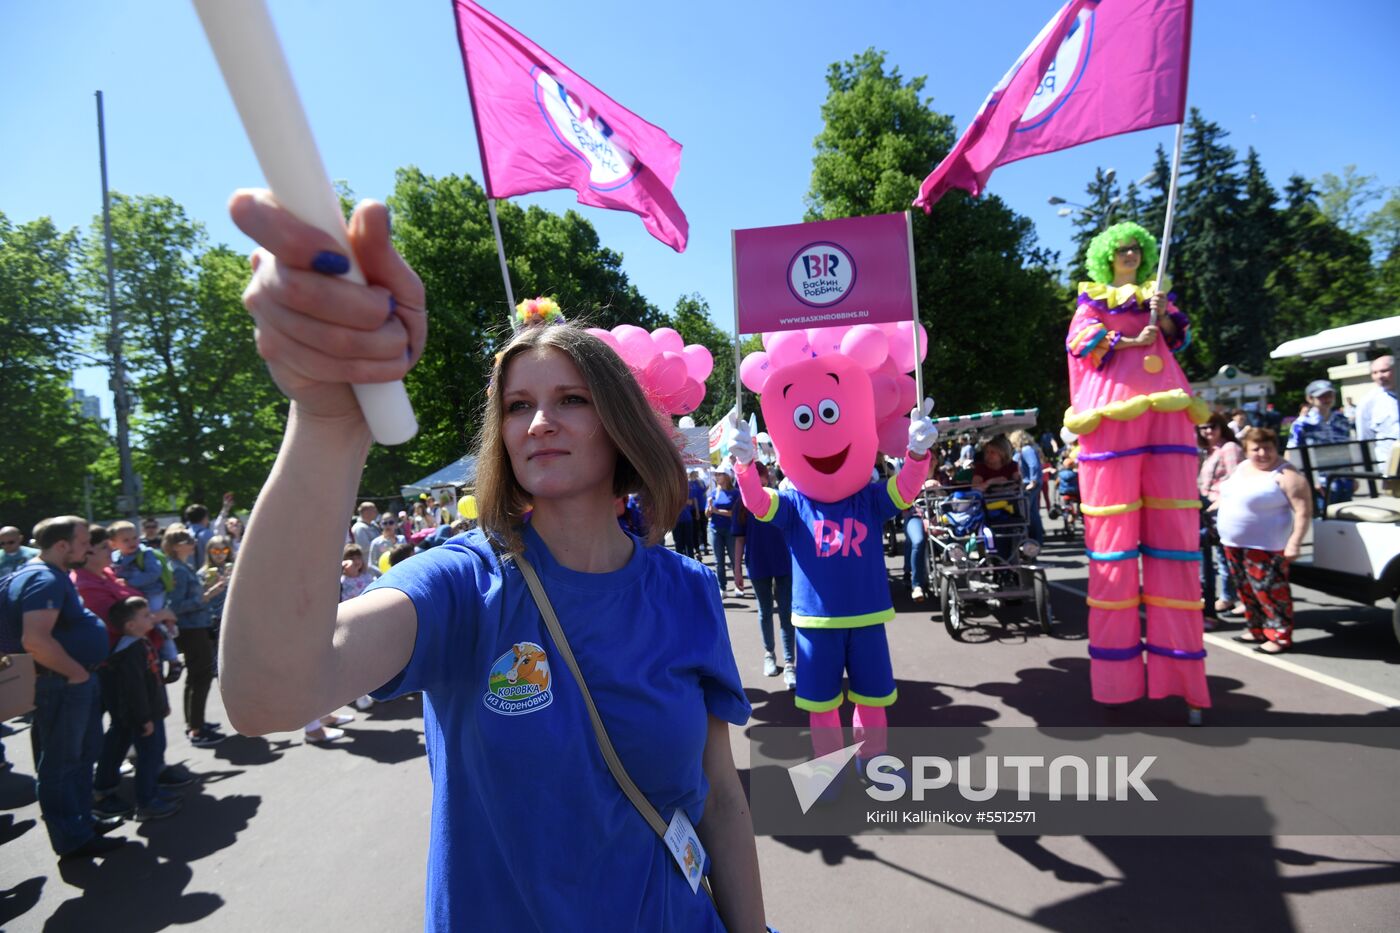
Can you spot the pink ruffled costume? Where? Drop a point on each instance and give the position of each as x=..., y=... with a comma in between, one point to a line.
x=1133, y=411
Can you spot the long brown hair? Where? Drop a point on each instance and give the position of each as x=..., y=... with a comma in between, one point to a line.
x=648, y=462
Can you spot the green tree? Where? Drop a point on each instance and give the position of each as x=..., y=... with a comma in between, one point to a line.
x=207, y=416
x=1344, y=198
x=1323, y=278
x=49, y=446
x=994, y=313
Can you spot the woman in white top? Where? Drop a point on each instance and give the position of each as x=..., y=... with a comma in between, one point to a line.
x=1263, y=512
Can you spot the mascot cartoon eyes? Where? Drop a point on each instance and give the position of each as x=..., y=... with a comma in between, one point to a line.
x=827, y=410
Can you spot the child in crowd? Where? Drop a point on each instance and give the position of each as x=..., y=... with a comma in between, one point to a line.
x=354, y=575
x=149, y=571
x=134, y=694
x=400, y=553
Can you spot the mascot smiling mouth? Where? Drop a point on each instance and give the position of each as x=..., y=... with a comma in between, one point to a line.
x=829, y=465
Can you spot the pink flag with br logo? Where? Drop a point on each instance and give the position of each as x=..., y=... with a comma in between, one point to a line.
x=542, y=127
x=1098, y=68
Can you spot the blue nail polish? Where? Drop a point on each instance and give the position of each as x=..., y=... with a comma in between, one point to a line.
x=393, y=306
x=330, y=263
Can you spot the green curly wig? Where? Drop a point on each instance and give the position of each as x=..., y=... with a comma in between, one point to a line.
x=1099, y=258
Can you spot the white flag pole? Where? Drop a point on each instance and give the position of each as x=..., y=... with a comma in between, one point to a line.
x=245, y=45
x=1171, y=208
x=914, y=325
x=738, y=383
x=501, y=255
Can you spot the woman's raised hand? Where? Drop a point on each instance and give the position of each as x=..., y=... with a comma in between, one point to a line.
x=320, y=333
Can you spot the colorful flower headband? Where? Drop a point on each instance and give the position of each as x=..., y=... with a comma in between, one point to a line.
x=540, y=310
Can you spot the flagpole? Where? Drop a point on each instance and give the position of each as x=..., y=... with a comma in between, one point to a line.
x=738, y=383
x=1171, y=208
x=501, y=255
x=914, y=325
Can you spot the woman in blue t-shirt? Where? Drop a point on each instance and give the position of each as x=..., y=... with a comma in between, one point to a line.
x=722, y=508
x=529, y=829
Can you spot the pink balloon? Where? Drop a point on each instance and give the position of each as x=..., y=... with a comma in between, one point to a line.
x=923, y=343
x=698, y=361
x=788, y=347
x=894, y=436
x=607, y=337
x=867, y=345
x=688, y=399
x=887, y=367
x=886, y=396
x=755, y=370
x=668, y=338
x=889, y=328
x=766, y=336
x=908, y=393
x=637, y=348
x=902, y=349
x=824, y=340
x=666, y=373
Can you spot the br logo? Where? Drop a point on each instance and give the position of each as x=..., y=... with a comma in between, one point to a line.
x=519, y=681
x=1063, y=75
x=838, y=539
x=583, y=132
x=821, y=274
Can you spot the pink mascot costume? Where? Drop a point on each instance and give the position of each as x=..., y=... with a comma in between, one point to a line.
x=1132, y=408
x=821, y=414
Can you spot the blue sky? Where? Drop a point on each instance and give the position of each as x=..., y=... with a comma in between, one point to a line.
x=739, y=84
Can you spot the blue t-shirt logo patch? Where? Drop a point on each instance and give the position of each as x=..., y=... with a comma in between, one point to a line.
x=519, y=681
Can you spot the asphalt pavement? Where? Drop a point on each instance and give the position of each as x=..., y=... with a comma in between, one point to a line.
x=286, y=836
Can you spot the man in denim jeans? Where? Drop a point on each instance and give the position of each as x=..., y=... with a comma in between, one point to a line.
x=67, y=642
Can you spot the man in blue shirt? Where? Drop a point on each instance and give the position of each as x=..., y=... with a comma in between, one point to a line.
x=67, y=643
x=1378, y=415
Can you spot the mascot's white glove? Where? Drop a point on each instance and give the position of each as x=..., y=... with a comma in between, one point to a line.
x=923, y=434
x=740, y=440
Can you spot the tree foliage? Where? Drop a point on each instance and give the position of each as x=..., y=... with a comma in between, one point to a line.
x=48, y=443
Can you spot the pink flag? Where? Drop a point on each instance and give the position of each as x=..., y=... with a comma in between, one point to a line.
x=1097, y=69
x=542, y=127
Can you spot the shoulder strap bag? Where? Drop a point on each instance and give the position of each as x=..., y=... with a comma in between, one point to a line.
x=605, y=745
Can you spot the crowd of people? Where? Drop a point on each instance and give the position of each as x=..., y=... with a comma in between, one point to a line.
x=113, y=615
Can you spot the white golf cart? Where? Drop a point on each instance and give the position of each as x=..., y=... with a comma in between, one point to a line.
x=1355, y=544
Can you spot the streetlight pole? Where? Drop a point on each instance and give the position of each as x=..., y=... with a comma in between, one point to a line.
x=121, y=401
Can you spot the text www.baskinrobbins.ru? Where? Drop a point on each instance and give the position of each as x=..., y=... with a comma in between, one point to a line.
x=830, y=316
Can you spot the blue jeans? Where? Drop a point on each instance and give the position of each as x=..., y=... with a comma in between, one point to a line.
x=68, y=735
x=766, y=589
x=1036, y=526
x=915, y=548
x=150, y=760
x=1213, y=570
x=722, y=543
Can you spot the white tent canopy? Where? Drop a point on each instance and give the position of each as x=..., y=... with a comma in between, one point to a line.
x=1337, y=341
x=458, y=473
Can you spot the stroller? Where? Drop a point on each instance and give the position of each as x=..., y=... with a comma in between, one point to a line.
x=979, y=545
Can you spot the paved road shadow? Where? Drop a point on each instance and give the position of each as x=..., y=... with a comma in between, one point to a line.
x=386, y=746
x=251, y=750
x=156, y=862
x=20, y=899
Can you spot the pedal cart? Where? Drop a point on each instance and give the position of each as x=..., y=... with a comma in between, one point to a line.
x=979, y=549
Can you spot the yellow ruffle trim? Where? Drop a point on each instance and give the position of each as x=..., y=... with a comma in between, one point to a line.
x=1166, y=602
x=1086, y=422
x=1119, y=509
x=1152, y=502
x=1113, y=603
x=1117, y=297
x=1162, y=602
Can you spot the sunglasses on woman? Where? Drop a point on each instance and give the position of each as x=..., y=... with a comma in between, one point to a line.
x=219, y=550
